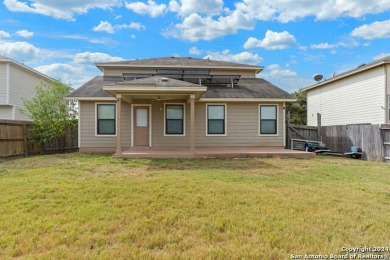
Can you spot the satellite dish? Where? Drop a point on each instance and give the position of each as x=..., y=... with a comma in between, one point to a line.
x=318, y=77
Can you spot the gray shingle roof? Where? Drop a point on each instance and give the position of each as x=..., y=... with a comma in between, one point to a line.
x=92, y=88
x=246, y=88
x=178, y=62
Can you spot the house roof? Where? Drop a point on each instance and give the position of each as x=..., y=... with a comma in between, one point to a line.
x=178, y=62
x=247, y=88
x=359, y=69
x=19, y=64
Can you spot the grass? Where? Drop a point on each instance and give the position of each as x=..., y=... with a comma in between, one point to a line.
x=82, y=206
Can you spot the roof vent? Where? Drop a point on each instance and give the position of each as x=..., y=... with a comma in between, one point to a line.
x=362, y=65
x=164, y=79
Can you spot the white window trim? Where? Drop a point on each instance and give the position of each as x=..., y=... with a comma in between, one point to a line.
x=184, y=119
x=116, y=119
x=259, y=120
x=132, y=110
x=207, y=121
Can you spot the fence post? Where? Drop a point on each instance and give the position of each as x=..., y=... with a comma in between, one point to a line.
x=25, y=139
x=319, y=133
x=288, y=130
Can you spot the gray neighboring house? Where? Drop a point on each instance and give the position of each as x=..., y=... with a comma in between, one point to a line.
x=357, y=96
x=17, y=81
x=179, y=102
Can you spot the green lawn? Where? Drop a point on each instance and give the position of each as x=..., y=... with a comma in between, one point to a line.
x=94, y=206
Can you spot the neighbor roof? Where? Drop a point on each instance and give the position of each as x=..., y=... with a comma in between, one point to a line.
x=246, y=88
x=175, y=62
x=361, y=68
x=9, y=60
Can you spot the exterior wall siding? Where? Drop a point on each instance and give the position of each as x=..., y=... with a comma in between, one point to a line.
x=388, y=92
x=6, y=112
x=3, y=83
x=87, y=126
x=354, y=100
x=22, y=85
x=242, y=127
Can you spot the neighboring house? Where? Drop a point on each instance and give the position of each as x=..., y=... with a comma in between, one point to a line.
x=179, y=102
x=358, y=96
x=17, y=82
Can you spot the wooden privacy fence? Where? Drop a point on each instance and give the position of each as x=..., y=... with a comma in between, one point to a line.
x=16, y=136
x=373, y=139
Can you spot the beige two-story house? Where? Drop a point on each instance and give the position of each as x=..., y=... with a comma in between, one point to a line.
x=17, y=82
x=179, y=102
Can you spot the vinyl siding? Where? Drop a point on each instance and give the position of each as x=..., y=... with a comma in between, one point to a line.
x=88, y=127
x=388, y=92
x=3, y=84
x=354, y=100
x=242, y=127
x=22, y=86
x=6, y=112
x=120, y=71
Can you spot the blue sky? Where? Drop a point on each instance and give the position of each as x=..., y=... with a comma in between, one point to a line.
x=293, y=39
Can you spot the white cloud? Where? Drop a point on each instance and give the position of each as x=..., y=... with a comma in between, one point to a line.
x=185, y=7
x=274, y=71
x=272, y=41
x=89, y=58
x=195, y=27
x=107, y=27
x=325, y=45
x=105, y=41
x=376, y=30
x=284, y=78
x=195, y=51
x=201, y=23
x=24, y=34
x=104, y=26
x=70, y=74
x=20, y=51
x=150, y=8
x=59, y=9
x=4, y=34
x=291, y=10
x=381, y=56
x=242, y=57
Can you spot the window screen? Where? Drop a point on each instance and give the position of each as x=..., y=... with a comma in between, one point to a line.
x=215, y=119
x=268, y=119
x=174, y=116
x=105, y=119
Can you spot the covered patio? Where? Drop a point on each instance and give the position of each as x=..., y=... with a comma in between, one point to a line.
x=214, y=152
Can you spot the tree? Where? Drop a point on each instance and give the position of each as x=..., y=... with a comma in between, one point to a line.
x=298, y=109
x=53, y=115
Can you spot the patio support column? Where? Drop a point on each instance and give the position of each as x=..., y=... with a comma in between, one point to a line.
x=192, y=123
x=118, y=125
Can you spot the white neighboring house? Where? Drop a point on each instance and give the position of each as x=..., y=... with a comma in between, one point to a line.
x=17, y=82
x=358, y=96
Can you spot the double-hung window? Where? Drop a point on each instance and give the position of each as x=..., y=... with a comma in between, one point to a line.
x=268, y=119
x=174, y=119
x=216, y=119
x=105, y=117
